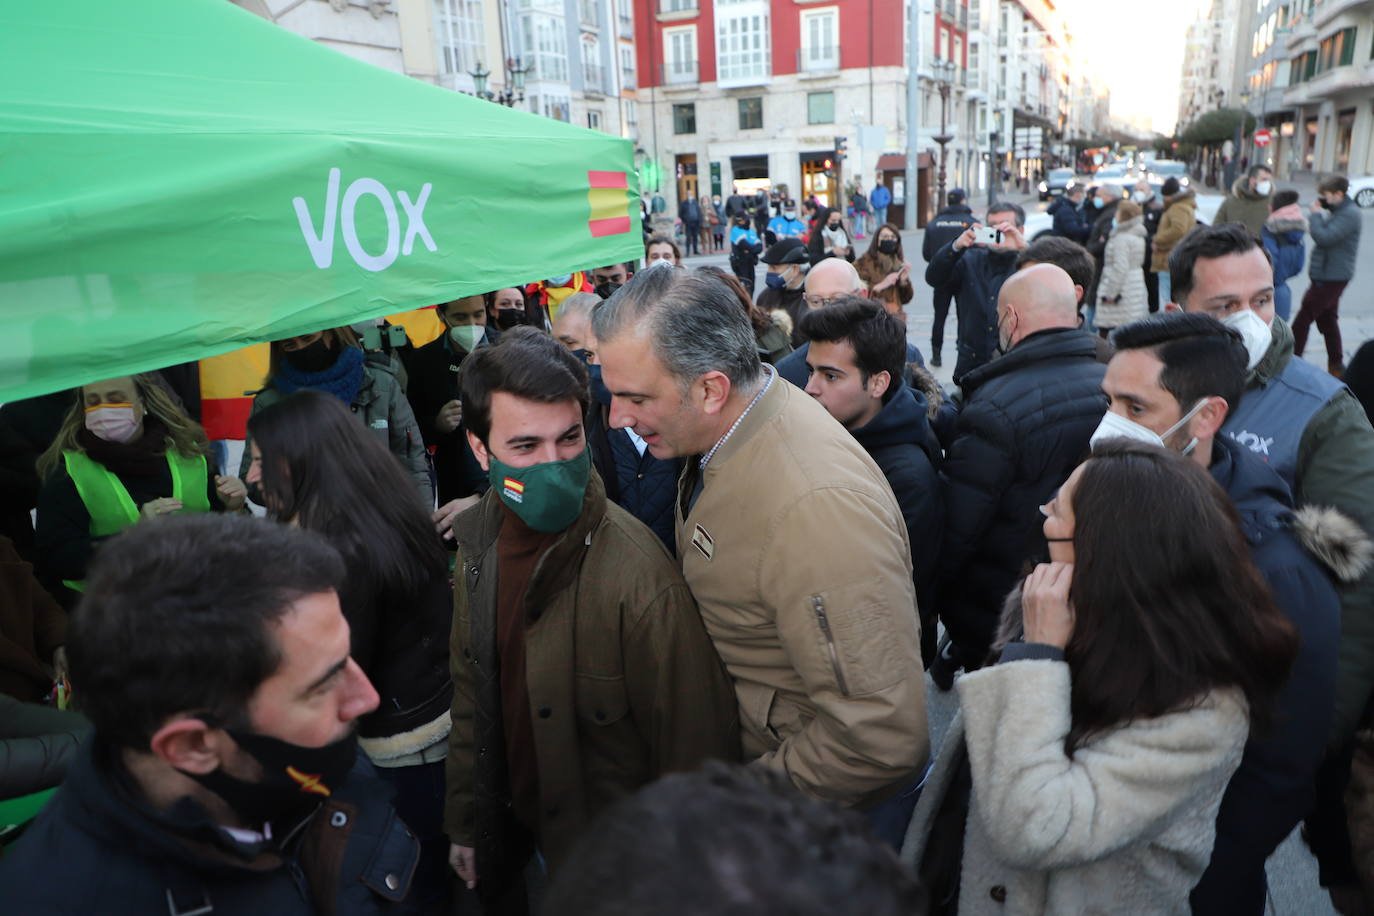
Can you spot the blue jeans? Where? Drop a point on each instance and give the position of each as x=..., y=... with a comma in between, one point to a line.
x=1165, y=289
x=880, y=214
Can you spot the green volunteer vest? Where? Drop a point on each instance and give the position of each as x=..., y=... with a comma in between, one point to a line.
x=109, y=504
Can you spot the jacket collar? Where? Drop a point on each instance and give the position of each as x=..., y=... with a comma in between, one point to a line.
x=1277, y=356
x=772, y=403
x=1051, y=343
x=559, y=565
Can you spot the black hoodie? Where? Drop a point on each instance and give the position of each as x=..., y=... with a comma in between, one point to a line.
x=900, y=441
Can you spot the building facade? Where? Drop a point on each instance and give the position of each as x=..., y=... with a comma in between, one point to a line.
x=576, y=57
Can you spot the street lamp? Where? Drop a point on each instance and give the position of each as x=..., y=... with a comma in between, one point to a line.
x=1235, y=145
x=944, y=74
x=513, y=94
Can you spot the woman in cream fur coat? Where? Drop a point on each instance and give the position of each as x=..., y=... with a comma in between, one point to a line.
x=1083, y=772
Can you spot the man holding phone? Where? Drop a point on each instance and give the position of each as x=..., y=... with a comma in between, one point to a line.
x=973, y=267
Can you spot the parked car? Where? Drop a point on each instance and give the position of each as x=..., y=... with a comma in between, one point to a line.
x=1161, y=169
x=1057, y=183
x=1361, y=191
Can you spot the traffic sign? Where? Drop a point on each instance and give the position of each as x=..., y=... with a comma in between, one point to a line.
x=1262, y=137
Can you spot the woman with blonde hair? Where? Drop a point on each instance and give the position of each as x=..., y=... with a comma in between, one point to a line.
x=331, y=361
x=125, y=453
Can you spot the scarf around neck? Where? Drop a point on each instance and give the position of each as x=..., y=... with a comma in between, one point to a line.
x=344, y=379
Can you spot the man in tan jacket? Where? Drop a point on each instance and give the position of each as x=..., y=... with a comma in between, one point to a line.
x=790, y=539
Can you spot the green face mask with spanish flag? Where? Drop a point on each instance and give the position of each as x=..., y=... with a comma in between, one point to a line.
x=547, y=497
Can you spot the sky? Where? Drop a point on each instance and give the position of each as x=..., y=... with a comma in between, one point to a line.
x=1136, y=50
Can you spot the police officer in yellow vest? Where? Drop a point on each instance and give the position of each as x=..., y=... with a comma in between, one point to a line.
x=126, y=452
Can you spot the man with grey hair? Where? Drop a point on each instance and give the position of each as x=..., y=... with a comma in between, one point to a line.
x=829, y=281
x=790, y=539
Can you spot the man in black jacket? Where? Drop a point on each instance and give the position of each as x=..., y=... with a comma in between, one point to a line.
x=224, y=774
x=1178, y=376
x=432, y=389
x=947, y=226
x=1069, y=219
x=1025, y=425
x=973, y=273
x=857, y=356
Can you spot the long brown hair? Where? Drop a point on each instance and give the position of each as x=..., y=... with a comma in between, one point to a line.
x=1168, y=604
x=889, y=262
x=184, y=436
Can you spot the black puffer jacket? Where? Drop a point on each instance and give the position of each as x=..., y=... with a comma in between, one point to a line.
x=1024, y=426
x=975, y=276
x=900, y=441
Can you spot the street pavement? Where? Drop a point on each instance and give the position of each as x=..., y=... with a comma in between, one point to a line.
x=1293, y=887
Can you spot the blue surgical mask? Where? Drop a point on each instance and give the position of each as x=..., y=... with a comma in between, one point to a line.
x=775, y=281
x=560, y=280
x=1097, y=202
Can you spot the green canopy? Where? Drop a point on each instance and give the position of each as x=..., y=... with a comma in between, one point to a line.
x=180, y=178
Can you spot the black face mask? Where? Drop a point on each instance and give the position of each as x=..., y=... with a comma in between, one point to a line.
x=295, y=779
x=509, y=318
x=888, y=246
x=600, y=393
x=315, y=358
x=1325, y=204
x=833, y=226
x=607, y=288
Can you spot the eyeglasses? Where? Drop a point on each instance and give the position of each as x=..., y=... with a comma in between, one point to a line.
x=820, y=302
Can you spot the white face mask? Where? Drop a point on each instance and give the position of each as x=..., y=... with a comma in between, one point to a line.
x=1115, y=426
x=1142, y=197
x=1253, y=331
x=1263, y=188
x=467, y=335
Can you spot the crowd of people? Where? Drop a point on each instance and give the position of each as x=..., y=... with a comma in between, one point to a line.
x=620, y=596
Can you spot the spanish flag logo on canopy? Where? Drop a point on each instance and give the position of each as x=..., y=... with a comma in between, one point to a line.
x=610, y=203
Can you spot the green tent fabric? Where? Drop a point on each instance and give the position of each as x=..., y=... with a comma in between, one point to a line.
x=180, y=178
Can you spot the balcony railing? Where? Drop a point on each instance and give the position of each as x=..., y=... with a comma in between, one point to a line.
x=818, y=59
x=627, y=79
x=593, y=79
x=680, y=73
x=627, y=27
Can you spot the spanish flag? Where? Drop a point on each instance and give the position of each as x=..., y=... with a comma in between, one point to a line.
x=610, y=203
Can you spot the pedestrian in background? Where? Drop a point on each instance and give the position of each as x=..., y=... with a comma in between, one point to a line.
x=947, y=226
x=859, y=202
x=881, y=198
x=708, y=221
x=974, y=271
x=1070, y=221
x=718, y=226
x=1178, y=219
x=1335, y=230
x=1283, y=237
x=689, y=211
x=1248, y=202
x=662, y=248
x=1121, y=294
x=1151, y=209
x=886, y=271
x=830, y=239
x=745, y=247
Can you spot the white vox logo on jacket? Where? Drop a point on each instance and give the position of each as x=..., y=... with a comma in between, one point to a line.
x=321, y=243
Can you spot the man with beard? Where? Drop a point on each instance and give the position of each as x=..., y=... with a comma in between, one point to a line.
x=224, y=773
